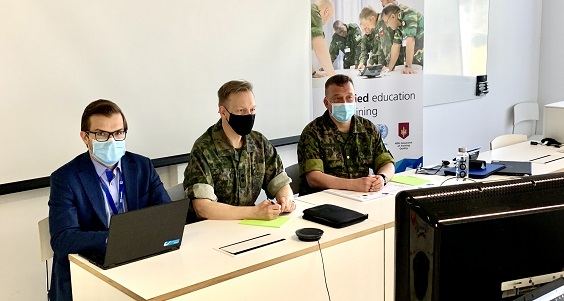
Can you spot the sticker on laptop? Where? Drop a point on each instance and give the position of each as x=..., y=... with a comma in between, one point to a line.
x=173, y=242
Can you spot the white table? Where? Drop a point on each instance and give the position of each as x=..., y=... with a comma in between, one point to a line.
x=524, y=151
x=288, y=270
x=384, y=209
x=359, y=260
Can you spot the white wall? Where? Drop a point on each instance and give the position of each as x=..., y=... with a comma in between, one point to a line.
x=513, y=73
x=513, y=76
x=551, y=62
x=161, y=62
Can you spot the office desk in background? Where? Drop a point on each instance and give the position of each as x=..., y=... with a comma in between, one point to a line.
x=545, y=159
x=287, y=270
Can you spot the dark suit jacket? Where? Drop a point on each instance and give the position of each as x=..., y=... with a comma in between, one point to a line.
x=77, y=214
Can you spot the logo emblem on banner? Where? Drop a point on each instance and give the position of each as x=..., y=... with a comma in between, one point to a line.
x=403, y=129
x=383, y=129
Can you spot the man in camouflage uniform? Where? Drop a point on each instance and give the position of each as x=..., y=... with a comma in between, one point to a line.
x=338, y=149
x=366, y=57
x=321, y=12
x=230, y=163
x=408, y=26
x=386, y=36
x=379, y=41
x=346, y=39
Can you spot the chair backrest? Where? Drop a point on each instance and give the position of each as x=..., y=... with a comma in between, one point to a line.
x=508, y=139
x=293, y=171
x=45, y=240
x=176, y=192
x=525, y=111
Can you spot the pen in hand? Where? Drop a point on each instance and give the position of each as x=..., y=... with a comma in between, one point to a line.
x=274, y=202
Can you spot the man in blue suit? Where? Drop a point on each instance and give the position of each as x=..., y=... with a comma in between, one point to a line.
x=99, y=183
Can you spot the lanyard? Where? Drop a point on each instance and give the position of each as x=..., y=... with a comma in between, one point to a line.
x=111, y=203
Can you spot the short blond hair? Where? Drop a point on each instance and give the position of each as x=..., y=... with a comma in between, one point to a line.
x=232, y=87
x=368, y=11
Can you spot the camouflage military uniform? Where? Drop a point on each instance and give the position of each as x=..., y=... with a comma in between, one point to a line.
x=346, y=155
x=411, y=26
x=316, y=23
x=384, y=41
x=366, y=47
x=349, y=45
x=219, y=172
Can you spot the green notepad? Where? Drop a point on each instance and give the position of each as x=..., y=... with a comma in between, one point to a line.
x=275, y=223
x=409, y=180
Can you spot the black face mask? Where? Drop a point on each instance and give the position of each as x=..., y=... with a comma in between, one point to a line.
x=241, y=124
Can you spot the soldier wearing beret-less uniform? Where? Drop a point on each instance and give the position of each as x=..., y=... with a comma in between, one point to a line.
x=338, y=149
x=346, y=39
x=369, y=45
x=230, y=164
x=408, y=26
x=366, y=47
x=386, y=36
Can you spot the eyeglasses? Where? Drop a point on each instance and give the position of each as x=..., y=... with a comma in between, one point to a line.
x=103, y=136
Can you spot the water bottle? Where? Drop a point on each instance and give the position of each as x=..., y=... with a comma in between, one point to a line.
x=462, y=163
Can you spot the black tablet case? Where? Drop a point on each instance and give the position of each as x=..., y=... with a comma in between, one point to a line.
x=333, y=216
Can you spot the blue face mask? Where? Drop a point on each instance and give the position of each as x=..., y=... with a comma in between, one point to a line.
x=108, y=152
x=343, y=111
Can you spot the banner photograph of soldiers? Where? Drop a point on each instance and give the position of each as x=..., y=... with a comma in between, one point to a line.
x=379, y=45
x=353, y=35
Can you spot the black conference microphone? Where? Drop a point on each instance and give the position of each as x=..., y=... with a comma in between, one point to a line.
x=550, y=142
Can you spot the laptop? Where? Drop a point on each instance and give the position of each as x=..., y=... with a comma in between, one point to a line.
x=142, y=233
x=515, y=168
x=371, y=71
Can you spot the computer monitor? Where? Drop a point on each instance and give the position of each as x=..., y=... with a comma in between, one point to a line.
x=460, y=242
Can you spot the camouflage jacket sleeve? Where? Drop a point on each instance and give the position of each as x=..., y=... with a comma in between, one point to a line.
x=335, y=46
x=274, y=175
x=376, y=51
x=373, y=46
x=316, y=23
x=380, y=57
x=364, y=49
x=411, y=23
x=309, y=150
x=357, y=43
x=398, y=33
x=198, y=180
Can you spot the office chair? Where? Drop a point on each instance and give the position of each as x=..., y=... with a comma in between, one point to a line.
x=293, y=172
x=505, y=140
x=45, y=246
x=525, y=111
x=176, y=192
